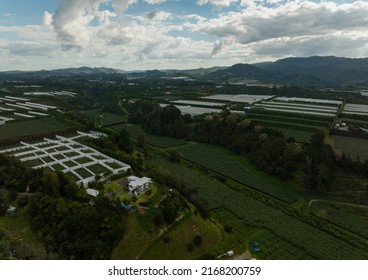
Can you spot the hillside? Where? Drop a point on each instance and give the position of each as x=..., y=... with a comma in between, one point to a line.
x=308, y=71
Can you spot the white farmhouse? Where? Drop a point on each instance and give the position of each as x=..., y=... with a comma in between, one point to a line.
x=138, y=185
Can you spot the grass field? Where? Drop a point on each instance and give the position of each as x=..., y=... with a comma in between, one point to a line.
x=140, y=233
x=223, y=162
x=180, y=235
x=31, y=127
x=153, y=140
x=304, y=239
x=106, y=117
x=353, y=147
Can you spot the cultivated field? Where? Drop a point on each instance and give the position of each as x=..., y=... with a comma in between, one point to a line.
x=295, y=117
x=31, y=127
x=153, y=140
x=67, y=155
x=221, y=161
x=353, y=147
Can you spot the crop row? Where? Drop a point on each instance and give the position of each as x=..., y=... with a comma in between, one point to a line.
x=222, y=163
x=346, y=220
x=289, y=120
x=291, y=115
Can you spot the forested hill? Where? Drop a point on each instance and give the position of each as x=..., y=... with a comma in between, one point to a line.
x=308, y=71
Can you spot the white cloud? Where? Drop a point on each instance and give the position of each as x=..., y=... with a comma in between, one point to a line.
x=153, y=2
x=291, y=19
x=103, y=33
x=217, y=3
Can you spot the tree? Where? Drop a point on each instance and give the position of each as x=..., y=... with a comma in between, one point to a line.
x=50, y=182
x=125, y=142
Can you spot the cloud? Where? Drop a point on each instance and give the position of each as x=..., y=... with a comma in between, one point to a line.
x=290, y=19
x=26, y=48
x=158, y=15
x=121, y=5
x=217, y=3
x=219, y=46
x=153, y=2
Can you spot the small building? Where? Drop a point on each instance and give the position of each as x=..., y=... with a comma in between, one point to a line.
x=138, y=185
x=92, y=192
x=230, y=253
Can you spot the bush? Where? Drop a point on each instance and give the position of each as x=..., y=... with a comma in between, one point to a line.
x=197, y=240
x=22, y=200
x=228, y=228
x=190, y=247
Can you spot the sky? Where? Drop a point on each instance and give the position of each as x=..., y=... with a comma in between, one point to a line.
x=176, y=34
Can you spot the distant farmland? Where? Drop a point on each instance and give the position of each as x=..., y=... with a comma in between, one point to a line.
x=295, y=119
x=31, y=127
x=353, y=147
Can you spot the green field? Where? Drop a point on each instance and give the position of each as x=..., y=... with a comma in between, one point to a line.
x=140, y=233
x=153, y=140
x=30, y=127
x=302, y=136
x=180, y=235
x=106, y=117
x=353, y=147
x=304, y=239
x=229, y=165
x=299, y=126
x=331, y=213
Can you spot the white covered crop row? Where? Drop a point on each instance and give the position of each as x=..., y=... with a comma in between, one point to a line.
x=29, y=152
x=309, y=100
x=300, y=112
x=193, y=102
x=240, y=98
x=311, y=108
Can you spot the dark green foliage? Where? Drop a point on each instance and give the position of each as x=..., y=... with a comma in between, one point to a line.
x=22, y=200
x=321, y=165
x=228, y=228
x=170, y=209
x=197, y=240
x=125, y=142
x=190, y=247
x=174, y=156
x=3, y=204
x=74, y=229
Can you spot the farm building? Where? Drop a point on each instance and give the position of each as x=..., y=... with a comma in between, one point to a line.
x=138, y=185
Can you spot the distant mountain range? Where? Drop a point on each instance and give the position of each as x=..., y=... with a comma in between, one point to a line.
x=316, y=70
x=306, y=71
